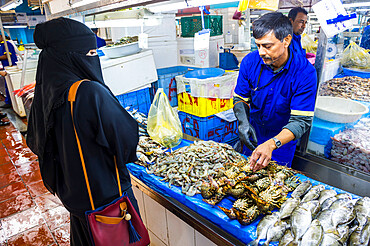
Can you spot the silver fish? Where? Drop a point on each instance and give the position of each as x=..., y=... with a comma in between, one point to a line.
x=313, y=235
x=328, y=202
x=300, y=221
x=330, y=239
x=264, y=225
x=344, y=195
x=342, y=215
x=362, y=208
x=365, y=234
x=276, y=232
x=325, y=218
x=287, y=239
x=302, y=189
x=355, y=238
x=326, y=194
x=340, y=203
x=343, y=232
x=313, y=193
x=313, y=206
x=288, y=206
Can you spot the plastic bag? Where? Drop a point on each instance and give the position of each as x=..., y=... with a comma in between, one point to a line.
x=164, y=125
x=356, y=57
x=308, y=44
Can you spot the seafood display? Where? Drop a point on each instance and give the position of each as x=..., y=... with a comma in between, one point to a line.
x=141, y=119
x=189, y=166
x=125, y=40
x=350, y=87
x=256, y=193
x=148, y=151
x=317, y=216
x=352, y=146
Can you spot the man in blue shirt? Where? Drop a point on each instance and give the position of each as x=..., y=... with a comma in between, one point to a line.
x=99, y=41
x=5, y=63
x=274, y=98
x=298, y=18
x=365, y=40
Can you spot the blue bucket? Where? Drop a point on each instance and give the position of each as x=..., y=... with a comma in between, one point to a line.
x=205, y=73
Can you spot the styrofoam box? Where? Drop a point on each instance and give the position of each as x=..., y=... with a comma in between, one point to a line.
x=185, y=51
x=13, y=81
x=126, y=73
x=165, y=53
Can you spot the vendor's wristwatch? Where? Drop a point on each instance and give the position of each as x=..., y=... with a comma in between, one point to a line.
x=277, y=142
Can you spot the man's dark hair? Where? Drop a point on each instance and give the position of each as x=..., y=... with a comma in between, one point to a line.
x=294, y=11
x=368, y=21
x=94, y=30
x=276, y=22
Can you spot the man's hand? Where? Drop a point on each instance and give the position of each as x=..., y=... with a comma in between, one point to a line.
x=261, y=156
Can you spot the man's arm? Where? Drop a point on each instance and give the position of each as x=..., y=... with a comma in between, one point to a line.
x=296, y=127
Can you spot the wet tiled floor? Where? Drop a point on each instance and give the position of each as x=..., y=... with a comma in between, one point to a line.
x=29, y=214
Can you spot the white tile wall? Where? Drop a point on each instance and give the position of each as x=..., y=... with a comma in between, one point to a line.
x=180, y=233
x=201, y=240
x=155, y=241
x=140, y=201
x=156, y=218
x=165, y=228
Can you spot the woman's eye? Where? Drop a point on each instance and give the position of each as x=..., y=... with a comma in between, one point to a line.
x=92, y=53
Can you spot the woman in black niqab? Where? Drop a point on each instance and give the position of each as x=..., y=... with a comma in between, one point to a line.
x=104, y=128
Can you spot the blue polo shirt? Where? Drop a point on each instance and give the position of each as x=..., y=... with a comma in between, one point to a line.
x=13, y=55
x=296, y=45
x=100, y=42
x=365, y=40
x=276, y=96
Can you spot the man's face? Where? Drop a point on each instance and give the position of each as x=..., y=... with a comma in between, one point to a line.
x=272, y=49
x=299, y=24
x=1, y=38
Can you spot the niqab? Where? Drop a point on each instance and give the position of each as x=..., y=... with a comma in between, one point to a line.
x=62, y=61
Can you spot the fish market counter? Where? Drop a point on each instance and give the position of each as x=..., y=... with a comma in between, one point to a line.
x=176, y=219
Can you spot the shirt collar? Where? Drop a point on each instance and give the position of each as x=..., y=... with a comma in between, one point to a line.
x=284, y=66
x=297, y=37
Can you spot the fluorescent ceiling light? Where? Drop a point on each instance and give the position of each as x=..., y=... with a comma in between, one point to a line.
x=360, y=4
x=20, y=26
x=83, y=3
x=124, y=23
x=182, y=5
x=11, y=5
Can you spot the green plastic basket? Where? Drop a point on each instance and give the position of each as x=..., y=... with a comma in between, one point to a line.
x=193, y=24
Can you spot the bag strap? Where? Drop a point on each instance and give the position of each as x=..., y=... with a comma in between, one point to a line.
x=72, y=98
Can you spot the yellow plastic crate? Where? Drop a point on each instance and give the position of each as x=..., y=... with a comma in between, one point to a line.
x=201, y=106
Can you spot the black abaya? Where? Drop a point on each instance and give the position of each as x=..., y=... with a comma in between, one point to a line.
x=104, y=128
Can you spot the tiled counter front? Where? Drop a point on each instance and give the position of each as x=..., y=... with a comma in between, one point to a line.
x=165, y=228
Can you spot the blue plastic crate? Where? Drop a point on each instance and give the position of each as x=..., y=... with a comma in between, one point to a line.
x=233, y=141
x=139, y=100
x=208, y=128
x=166, y=80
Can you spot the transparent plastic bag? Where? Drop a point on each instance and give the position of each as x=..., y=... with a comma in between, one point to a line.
x=308, y=44
x=164, y=125
x=356, y=57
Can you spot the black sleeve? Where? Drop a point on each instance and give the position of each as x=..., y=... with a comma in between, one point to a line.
x=298, y=125
x=115, y=129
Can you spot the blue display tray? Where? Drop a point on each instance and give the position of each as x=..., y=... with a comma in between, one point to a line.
x=246, y=234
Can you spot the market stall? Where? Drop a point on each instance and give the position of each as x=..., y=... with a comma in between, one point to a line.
x=162, y=62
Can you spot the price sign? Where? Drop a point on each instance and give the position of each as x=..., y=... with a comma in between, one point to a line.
x=332, y=16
